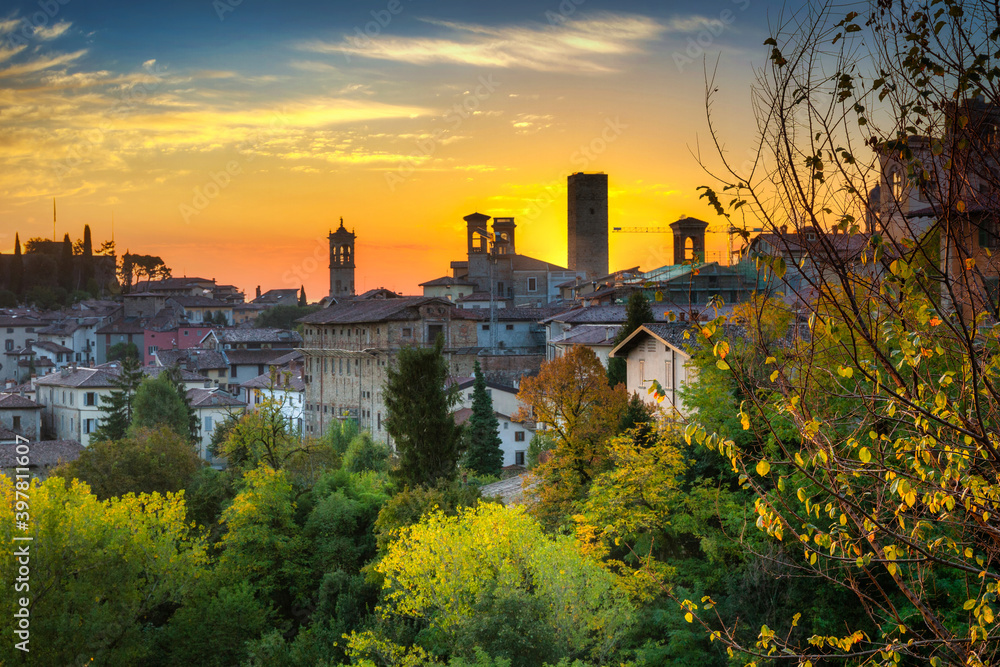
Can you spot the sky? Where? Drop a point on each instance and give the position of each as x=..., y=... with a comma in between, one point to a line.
x=230, y=136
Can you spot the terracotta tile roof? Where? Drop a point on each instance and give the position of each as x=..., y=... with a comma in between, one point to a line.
x=16, y=402
x=253, y=335
x=588, y=335
x=447, y=281
x=253, y=357
x=213, y=398
x=199, y=302
x=42, y=453
x=81, y=377
x=123, y=326
x=359, y=311
x=292, y=382
x=201, y=359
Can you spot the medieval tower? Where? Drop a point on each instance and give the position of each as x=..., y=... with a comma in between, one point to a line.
x=341, y=262
x=587, y=223
x=685, y=230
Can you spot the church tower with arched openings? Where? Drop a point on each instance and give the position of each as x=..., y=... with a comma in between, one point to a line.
x=689, y=240
x=341, y=262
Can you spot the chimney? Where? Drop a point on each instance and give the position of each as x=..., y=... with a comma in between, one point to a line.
x=784, y=229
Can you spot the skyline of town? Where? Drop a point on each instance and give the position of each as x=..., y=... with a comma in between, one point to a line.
x=245, y=126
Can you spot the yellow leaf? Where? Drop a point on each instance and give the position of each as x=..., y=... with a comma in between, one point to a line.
x=689, y=617
x=763, y=467
x=960, y=207
x=865, y=455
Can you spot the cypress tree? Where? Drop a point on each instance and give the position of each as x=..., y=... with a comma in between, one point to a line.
x=66, y=265
x=484, y=454
x=88, y=246
x=419, y=418
x=116, y=409
x=637, y=313
x=302, y=297
x=17, y=268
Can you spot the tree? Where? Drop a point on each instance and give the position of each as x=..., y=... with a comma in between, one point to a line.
x=17, y=268
x=283, y=317
x=88, y=245
x=419, y=420
x=121, y=350
x=365, y=454
x=264, y=437
x=175, y=375
x=302, y=297
x=637, y=313
x=483, y=454
x=134, y=268
x=147, y=460
x=571, y=397
x=101, y=573
x=66, y=265
x=503, y=585
x=874, y=445
x=116, y=408
x=157, y=402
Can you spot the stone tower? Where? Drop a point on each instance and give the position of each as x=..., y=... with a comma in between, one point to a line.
x=477, y=227
x=503, y=231
x=693, y=229
x=587, y=223
x=341, y=262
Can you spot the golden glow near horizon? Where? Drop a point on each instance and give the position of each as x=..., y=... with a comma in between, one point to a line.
x=233, y=161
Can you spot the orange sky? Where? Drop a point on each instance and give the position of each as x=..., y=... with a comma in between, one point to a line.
x=233, y=168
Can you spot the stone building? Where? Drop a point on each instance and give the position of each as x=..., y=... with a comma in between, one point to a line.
x=348, y=348
x=341, y=262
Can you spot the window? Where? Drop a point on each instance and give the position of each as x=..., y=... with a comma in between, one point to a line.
x=642, y=371
x=987, y=235
x=650, y=345
x=510, y=327
x=519, y=458
x=486, y=327
x=407, y=332
x=16, y=423
x=519, y=436
x=532, y=284
x=10, y=329
x=232, y=370
x=668, y=374
x=9, y=344
x=88, y=426
x=90, y=398
x=208, y=423
x=153, y=349
x=71, y=398
x=433, y=331
x=505, y=425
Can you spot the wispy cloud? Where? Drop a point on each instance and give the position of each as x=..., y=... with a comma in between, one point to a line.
x=577, y=45
x=40, y=64
x=51, y=32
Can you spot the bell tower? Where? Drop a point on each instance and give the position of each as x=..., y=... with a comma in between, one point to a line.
x=342, y=262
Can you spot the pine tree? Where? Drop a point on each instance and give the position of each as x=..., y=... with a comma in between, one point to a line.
x=17, y=269
x=419, y=418
x=637, y=313
x=116, y=409
x=483, y=455
x=302, y=297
